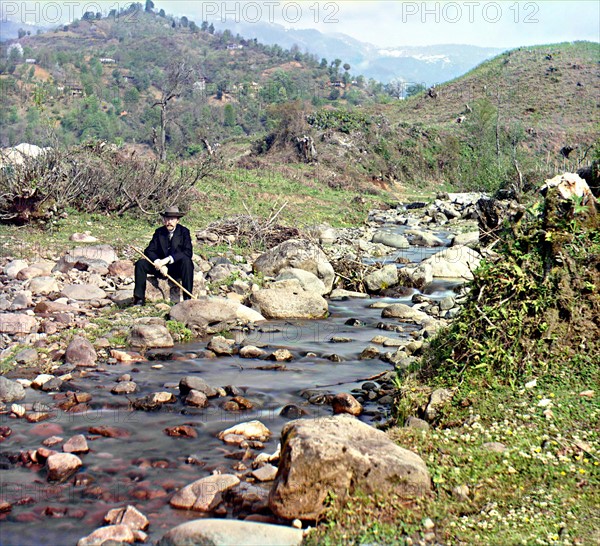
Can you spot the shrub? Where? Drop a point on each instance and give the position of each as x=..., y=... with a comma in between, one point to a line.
x=95, y=178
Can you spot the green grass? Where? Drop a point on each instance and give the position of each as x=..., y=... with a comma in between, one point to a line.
x=308, y=201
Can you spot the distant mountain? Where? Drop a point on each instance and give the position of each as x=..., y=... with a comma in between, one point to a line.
x=418, y=64
x=9, y=30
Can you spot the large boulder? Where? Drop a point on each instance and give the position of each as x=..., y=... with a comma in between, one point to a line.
x=340, y=454
x=299, y=254
x=309, y=281
x=209, y=315
x=227, y=531
x=454, y=262
x=288, y=303
x=394, y=240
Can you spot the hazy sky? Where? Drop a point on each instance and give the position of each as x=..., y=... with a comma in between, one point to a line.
x=382, y=23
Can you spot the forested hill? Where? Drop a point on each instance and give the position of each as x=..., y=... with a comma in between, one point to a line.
x=101, y=77
x=514, y=120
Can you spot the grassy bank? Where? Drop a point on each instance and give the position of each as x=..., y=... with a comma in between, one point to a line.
x=302, y=198
x=543, y=488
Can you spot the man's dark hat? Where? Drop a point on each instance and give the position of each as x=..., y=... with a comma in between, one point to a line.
x=172, y=212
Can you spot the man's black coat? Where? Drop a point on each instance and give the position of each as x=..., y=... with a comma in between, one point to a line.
x=179, y=247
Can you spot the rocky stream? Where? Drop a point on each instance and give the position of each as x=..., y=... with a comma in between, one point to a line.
x=102, y=442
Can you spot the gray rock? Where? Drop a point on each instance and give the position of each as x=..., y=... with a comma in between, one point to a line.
x=97, y=252
x=446, y=303
x=308, y=281
x=423, y=238
x=277, y=303
x=76, y=444
x=42, y=285
x=344, y=402
x=470, y=239
x=394, y=240
x=265, y=473
x=296, y=253
x=209, y=315
x=12, y=268
x=369, y=353
x=494, y=447
x=382, y=278
x=26, y=356
x=438, y=399
x=351, y=456
x=10, y=391
x=61, y=466
x=22, y=300
x=213, y=532
x=404, y=312
x=415, y=422
x=250, y=351
x=221, y=345
x=454, y=262
x=220, y=272
x=340, y=293
x=192, y=382
x=124, y=387
x=83, y=292
x=328, y=236
x=196, y=399
x=110, y=534
x=129, y=516
x=205, y=494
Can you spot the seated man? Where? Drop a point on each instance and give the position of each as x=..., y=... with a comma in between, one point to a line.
x=171, y=251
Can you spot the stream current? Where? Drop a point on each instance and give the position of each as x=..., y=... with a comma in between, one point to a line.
x=147, y=466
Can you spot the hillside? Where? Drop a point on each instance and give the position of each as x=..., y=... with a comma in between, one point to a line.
x=99, y=78
x=512, y=121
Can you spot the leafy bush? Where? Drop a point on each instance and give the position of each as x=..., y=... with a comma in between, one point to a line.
x=345, y=121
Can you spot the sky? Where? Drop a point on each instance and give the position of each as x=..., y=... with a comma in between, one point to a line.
x=388, y=23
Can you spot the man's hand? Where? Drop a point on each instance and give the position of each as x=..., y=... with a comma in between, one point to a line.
x=162, y=263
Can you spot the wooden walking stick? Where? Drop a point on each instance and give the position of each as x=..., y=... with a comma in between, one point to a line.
x=166, y=274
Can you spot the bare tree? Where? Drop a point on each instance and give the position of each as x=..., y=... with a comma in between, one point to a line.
x=178, y=77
